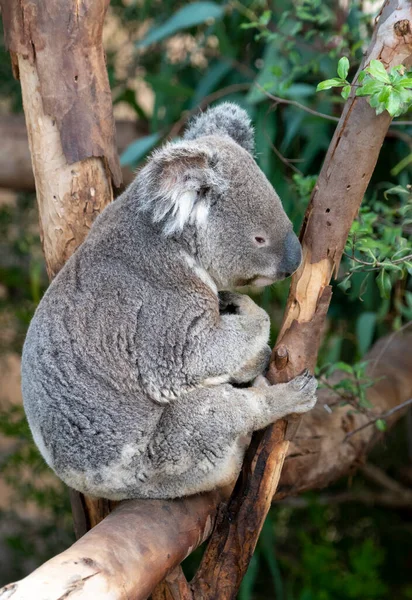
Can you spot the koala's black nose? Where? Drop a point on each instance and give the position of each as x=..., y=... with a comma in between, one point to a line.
x=292, y=256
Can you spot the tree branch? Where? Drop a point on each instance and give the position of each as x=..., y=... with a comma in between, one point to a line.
x=142, y=541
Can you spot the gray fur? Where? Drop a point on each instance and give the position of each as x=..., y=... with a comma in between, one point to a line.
x=224, y=119
x=132, y=360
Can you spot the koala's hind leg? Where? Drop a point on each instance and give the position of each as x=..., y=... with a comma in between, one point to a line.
x=201, y=437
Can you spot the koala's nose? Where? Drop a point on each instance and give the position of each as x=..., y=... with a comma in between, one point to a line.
x=292, y=256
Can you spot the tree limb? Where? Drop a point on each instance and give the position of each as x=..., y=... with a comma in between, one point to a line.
x=142, y=541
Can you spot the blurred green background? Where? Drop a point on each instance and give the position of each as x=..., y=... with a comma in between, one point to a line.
x=165, y=59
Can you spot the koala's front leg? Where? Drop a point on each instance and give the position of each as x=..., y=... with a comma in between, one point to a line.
x=237, y=350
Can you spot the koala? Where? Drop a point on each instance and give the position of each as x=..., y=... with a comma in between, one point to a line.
x=142, y=367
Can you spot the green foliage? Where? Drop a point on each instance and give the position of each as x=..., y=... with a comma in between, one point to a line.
x=352, y=389
x=385, y=90
x=379, y=242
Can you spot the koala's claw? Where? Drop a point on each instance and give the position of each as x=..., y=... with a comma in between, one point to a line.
x=304, y=392
x=302, y=380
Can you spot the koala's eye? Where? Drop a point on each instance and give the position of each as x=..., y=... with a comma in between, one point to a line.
x=260, y=241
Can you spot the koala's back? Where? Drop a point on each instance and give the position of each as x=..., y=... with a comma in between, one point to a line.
x=84, y=394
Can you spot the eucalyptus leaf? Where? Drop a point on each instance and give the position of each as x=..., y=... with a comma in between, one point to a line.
x=384, y=283
x=378, y=71
x=329, y=83
x=393, y=103
x=406, y=82
x=381, y=424
x=365, y=328
x=343, y=67
x=370, y=87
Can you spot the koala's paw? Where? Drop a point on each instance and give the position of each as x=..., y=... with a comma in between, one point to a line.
x=253, y=367
x=240, y=304
x=301, y=392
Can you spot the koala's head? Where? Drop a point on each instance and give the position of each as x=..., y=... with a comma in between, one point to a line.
x=209, y=189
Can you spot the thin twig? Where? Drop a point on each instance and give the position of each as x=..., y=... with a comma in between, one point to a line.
x=286, y=161
x=382, y=416
x=279, y=100
x=377, y=264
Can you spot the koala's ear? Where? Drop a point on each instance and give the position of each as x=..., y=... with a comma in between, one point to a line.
x=177, y=185
x=224, y=119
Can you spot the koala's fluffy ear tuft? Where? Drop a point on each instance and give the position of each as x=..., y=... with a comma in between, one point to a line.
x=224, y=119
x=177, y=185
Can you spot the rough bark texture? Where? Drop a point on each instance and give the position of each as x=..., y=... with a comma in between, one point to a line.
x=141, y=542
x=64, y=41
x=16, y=171
x=345, y=174
x=57, y=53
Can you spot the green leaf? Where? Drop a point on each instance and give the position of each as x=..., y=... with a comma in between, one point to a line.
x=190, y=15
x=342, y=366
x=388, y=266
x=343, y=67
x=369, y=87
x=406, y=82
x=346, y=284
x=365, y=328
x=385, y=93
x=380, y=424
x=384, y=283
x=330, y=83
x=138, y=149
x=345, y=92
x=162, y=83
x=405, y=162
x=378, y=71
x=210, y=81
x=393, y=103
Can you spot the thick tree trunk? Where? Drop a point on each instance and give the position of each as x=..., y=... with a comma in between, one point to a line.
x=56, y=49
x=142, y=541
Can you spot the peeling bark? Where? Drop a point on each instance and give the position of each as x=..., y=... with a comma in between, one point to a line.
x=64, y=42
